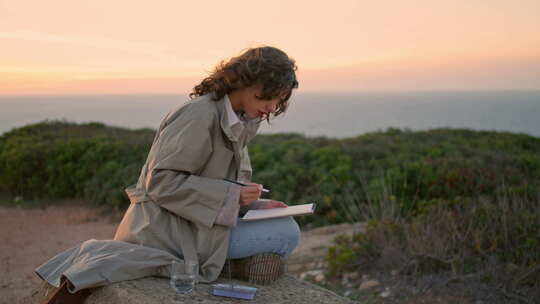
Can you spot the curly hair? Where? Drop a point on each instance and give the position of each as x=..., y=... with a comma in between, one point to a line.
x=268, y=66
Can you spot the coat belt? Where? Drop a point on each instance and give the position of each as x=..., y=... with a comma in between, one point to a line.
x=137, y=195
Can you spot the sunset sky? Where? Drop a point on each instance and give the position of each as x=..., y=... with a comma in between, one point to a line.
x=125, y=47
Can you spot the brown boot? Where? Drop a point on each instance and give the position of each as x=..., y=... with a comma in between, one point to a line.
x=63, y=296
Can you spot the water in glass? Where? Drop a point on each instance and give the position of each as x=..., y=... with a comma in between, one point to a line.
x=183, y=276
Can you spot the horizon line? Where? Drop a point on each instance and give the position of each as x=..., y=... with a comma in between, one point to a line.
x=433, y=90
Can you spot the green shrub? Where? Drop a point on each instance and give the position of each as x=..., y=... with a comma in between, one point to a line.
x=65, y=160
x=350, y=252
x=58, y=159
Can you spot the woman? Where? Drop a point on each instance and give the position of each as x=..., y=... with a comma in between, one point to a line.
x=183, y=204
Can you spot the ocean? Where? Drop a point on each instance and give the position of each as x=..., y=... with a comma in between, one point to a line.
x=332, y=114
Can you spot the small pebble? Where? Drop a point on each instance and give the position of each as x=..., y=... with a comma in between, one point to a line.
x=369, y=284
x=319, y=277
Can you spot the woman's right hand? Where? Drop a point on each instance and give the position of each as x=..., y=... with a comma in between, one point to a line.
x=250, y=193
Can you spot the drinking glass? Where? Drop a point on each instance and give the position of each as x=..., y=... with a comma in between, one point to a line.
x=183, y=276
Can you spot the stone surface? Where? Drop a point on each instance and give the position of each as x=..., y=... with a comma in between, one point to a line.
x=306, y=261
x=157, y=290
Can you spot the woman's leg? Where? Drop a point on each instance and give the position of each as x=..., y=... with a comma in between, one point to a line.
x=279, y=235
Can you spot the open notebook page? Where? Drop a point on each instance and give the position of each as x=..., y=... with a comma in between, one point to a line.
x=260, y=214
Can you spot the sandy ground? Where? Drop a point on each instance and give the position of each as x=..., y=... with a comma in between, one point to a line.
x=30, y=237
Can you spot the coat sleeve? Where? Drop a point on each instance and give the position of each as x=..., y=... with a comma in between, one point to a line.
x=173, y=181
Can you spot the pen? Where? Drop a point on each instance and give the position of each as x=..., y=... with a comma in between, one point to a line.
x=241, y=184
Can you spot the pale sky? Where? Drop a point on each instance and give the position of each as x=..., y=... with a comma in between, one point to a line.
x=124, y=47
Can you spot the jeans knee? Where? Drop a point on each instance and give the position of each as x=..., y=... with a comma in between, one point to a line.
x=292, y=232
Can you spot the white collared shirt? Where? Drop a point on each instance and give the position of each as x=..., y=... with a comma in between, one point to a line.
x=236, y=125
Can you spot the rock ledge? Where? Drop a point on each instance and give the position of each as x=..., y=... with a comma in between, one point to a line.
x=156, y=290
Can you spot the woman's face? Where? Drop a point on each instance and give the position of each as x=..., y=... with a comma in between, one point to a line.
x=254, y=107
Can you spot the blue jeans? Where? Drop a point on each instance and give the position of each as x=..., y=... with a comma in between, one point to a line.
x=278, y=235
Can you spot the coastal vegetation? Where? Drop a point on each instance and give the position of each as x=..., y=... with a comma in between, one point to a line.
x=455, y=201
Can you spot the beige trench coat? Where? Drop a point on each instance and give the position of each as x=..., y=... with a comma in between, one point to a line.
x=181, y=190
x=174, y=204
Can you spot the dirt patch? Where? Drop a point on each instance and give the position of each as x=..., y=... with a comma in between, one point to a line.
x=29, y=237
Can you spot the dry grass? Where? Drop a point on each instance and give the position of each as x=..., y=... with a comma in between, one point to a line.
x=487, y=241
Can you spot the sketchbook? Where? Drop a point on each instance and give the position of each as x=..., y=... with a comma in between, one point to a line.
x=262, y=214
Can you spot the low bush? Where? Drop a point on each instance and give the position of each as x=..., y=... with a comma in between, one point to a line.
x=58, y=159
x=495, y=240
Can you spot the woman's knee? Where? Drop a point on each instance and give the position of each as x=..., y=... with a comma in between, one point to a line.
x=290, y=231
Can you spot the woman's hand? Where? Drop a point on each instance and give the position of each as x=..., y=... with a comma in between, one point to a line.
x=250, y=193
x=269, y=204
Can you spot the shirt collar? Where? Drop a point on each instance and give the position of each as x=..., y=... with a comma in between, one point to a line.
x=235, y=123
x=243, y=123
x=231, y=115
